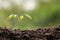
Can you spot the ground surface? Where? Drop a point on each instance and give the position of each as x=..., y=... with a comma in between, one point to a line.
x=38, y=34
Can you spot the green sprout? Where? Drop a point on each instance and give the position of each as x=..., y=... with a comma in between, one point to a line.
x=19, y=17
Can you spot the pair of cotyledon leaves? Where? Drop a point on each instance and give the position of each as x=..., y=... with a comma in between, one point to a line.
x=21, y=17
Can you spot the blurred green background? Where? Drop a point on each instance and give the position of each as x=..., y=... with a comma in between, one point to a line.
x=29, y=14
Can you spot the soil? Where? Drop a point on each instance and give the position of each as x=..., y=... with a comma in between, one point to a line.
x=38, y=34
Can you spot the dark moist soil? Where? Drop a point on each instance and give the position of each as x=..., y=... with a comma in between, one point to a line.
x=38, y=34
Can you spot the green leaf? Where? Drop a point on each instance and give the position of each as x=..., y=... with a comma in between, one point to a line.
x=10, y=16
x=15, y=16
x=21, y=17
x=28, y=16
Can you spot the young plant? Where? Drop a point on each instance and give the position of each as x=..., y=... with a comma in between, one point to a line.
x=19, y=18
